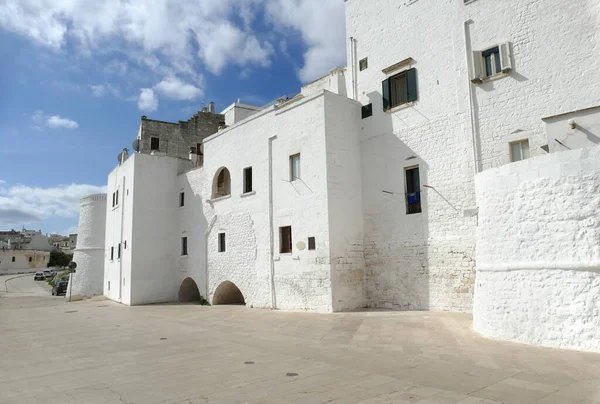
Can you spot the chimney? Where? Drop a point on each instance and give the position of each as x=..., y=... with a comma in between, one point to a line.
x=212, y=107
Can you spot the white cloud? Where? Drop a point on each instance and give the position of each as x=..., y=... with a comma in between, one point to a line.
x=55, y=121
x=147, y=101
x=174, y=88
x=22, y=204
x=101, y=90
x=322, y=27
x=2, y=182
x=41, y=120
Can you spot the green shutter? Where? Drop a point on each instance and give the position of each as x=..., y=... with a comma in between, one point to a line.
x=411, y=84
x=387, y=98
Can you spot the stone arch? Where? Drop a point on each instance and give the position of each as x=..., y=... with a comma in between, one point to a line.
x=188, y=291
x=221, y=183
x=228, y=293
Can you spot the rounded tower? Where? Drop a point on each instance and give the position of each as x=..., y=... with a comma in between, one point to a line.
x=89, y=252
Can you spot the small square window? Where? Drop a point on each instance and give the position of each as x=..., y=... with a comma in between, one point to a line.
x=519, y=150
x=285, y=239
x=184, y=246
x=363, y=64
x=367, y=111
x=154, y=143
x=400, y=89
x=491, y=59
x=294, y=167
x=247, y=180
x=413, y=190
x=311, y=243
x=491, y=62
x=222, y=247
x=181, y=199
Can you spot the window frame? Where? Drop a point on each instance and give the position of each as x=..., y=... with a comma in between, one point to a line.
x=520, y=142
x=363, y=64
x=414, y=207
x=222, y=242
x=247, y=188
x=389, y=95
x=299, y=173
x=184, y=247
x=366, y=111
x=500, y=67
x=285, y=247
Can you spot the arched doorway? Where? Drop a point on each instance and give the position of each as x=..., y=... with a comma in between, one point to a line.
x=188, y=291
x=221, y=183
x=228, y=293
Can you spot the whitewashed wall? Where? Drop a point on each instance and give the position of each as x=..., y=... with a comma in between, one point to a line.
x=89, y=253
x=538, y=255
x=586, y=132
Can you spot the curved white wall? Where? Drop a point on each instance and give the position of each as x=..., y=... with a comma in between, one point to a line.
x=89, y=254
x=538, y=251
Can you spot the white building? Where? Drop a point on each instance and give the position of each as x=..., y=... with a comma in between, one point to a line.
x=396, y=182
x=25, y=257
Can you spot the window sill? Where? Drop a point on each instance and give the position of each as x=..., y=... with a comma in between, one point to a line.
x=184, y=256
x=248, y=194
x=482, y=80
x=220, y=198
x=399, y=107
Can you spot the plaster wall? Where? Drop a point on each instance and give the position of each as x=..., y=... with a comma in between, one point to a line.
x=538, y=256
x=89, y=254
x=586, y=132
x=39, y=260
x=424, y=260
x=301, y=279
x=237, y=112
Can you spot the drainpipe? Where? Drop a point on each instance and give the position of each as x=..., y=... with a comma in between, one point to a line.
x=206, y=234
x=353, y=63
x=472, y=112
x=123, y=193
x=271, y=235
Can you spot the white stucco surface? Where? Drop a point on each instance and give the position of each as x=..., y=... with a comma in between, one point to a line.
x=538, y=257
x=89, y=252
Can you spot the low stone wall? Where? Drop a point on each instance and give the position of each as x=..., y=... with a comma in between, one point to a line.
x=538, y=251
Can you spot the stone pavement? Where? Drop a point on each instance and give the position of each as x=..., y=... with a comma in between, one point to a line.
x=97, y=351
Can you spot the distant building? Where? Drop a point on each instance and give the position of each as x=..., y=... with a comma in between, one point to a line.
x=34, y=254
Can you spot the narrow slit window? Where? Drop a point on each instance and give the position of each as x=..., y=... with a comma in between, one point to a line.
x=119, y=251
x=247, y=180
x=181, y=199
x=112, y=253
x=154, y=143
x=294, y=167
x=312, y=245
x=184, y=246
x=222, y=246
x=285, y=239
x=413, y=190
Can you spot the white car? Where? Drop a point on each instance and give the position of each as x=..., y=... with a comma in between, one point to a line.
x=48, y=274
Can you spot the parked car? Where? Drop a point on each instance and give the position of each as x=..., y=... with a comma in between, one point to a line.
x=60, y=288
x=48, y=274
x=39, y=276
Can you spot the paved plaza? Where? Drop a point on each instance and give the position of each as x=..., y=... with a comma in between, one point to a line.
x=97, y=351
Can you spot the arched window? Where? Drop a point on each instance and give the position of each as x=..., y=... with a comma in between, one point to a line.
x=222, y=183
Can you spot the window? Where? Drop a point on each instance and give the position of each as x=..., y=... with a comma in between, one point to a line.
x=115, y=198
x=30, y=259
x=413, y=190
x=285, y=239
x=400, y=89
x=184, y=246
x=222, y=246
x=519, y=150
x=109, y=286
x=311, y=243
x=154, y=143
x=181, y=199
x=367, y=111
x=247, y=179
x=294, y=167
x=222, y=183
x=125, y=244
x=363, y=64
x=13, y=259
x=119, y=251
x=112, y=253
x=491, y=62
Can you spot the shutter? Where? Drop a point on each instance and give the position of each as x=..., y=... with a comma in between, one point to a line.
x=387, y=99
x=478, y=66
x=411, y=84
x=505, y=57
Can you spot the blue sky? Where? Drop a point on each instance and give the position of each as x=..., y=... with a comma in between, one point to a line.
x=76, y=76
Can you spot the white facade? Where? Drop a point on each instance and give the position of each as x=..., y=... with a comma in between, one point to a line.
x=89, y=252
x=390, y=199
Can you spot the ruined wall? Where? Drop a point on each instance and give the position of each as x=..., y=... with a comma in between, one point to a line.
x=538, y=257
x=177, y=138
